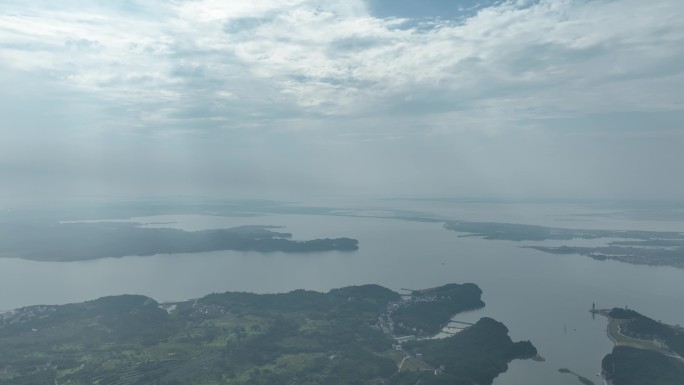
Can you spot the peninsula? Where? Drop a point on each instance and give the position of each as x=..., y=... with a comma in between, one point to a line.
x=92, y=240
x=646, y=352
x=302, y=337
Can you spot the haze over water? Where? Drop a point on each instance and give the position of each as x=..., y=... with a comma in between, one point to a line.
x=520, y=99
x=540, y=297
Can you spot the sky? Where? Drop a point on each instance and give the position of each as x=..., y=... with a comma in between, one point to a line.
x=281, y=99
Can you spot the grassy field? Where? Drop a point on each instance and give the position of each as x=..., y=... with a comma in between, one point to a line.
x=412, y=364
x=623, y=340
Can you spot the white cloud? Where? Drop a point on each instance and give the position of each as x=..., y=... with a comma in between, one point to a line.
x=508, y=65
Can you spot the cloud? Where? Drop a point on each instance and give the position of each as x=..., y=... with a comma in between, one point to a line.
x=329, y=73
x=523, y=59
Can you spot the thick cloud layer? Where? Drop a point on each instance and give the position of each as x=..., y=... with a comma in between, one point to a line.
x=562, y=98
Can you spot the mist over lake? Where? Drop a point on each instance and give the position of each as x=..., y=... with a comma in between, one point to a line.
x=539, y=296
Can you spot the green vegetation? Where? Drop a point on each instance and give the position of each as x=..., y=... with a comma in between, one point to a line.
x=301, y=337
x=646, y=350
x=474, y=356
x=428, y=311
x=639, y=327
x=86, y=240
x=631, y=366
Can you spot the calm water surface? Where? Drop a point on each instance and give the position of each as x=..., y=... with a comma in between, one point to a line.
x=540, y=297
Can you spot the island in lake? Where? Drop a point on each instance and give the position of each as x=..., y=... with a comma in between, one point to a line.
x=646, y=352
x=345, y=336
x=92, y=240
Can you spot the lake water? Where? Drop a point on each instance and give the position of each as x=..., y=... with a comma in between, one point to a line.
x=541, y=297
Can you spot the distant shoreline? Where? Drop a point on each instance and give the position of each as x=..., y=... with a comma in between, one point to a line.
x=81, y=241
x=652, y=248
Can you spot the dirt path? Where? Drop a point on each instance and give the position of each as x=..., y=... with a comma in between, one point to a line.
x=401, y=364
